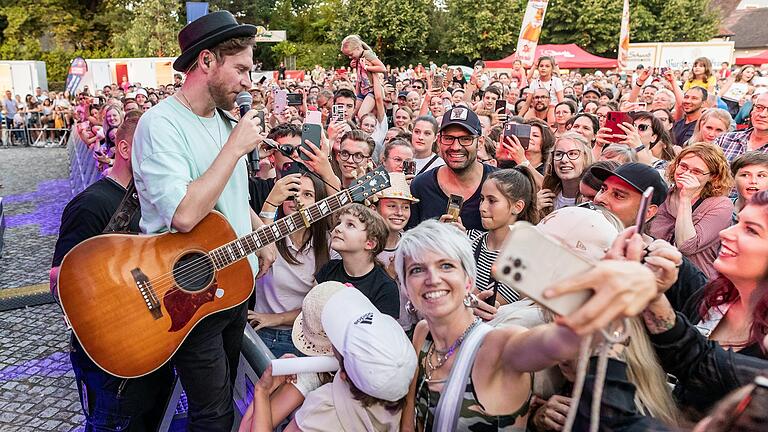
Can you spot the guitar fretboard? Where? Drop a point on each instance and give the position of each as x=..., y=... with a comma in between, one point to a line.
x=236, y=250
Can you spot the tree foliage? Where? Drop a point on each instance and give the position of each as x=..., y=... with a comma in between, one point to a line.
x=400, y=31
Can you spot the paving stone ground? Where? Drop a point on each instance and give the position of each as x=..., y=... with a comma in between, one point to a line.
x=37, y=386
x=35, y=191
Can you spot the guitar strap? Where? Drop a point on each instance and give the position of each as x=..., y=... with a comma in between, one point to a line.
x=125, y=211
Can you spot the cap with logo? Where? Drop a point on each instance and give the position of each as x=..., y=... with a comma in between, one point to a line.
x=463, y=117
x=378, y=357
x=638, y=175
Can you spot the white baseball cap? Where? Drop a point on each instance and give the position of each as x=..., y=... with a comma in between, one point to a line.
x=587, y=232
x=378, y=357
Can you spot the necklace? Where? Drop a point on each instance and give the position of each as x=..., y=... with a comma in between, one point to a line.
x=444, y=355
x=188, y=106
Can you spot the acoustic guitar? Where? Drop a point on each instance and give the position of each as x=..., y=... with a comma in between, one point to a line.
x=131, y=300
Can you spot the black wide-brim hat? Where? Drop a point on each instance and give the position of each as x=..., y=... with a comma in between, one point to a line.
x=206, y=32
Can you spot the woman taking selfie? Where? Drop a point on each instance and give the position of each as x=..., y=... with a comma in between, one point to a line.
x=535, y=156
x=435, y=266
x=697, y=207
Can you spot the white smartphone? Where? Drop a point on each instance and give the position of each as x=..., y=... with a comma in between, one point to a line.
x=531, y=262
x=281, y=101
x=313, y=117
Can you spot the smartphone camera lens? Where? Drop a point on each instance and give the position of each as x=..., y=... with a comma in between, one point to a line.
x=517, y=262
x=517, y=277
x=506, y=270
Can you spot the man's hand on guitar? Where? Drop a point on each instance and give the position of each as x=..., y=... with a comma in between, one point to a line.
x=266, y=256
x=246, y=136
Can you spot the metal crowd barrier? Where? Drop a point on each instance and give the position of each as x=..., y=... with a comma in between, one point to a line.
x=254, y=358
x=2, y=227
x=83, y=168
x=34, y=136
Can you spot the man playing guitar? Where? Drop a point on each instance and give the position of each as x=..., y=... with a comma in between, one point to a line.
x=187, y=161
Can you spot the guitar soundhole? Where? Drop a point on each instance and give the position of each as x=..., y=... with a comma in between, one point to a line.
x=193, y=271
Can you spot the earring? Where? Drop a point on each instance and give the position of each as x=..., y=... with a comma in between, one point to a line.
x=410, y=308
x=468, y=300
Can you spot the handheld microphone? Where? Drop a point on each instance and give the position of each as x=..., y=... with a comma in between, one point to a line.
x=244, y=100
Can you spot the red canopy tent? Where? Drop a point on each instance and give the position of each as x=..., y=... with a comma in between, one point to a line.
x=754, y=60
x=568, y=56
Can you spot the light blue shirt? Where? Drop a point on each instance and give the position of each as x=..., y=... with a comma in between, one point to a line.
x=172, y=147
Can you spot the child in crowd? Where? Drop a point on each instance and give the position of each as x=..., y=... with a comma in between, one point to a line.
x=359, y=237
x=376, y=365
x=701, y=76
x=507, y=196
x=750, y=171
x=366, y=63
x=394, y=206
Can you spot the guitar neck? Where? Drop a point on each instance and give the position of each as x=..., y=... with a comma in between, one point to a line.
x=236, y=250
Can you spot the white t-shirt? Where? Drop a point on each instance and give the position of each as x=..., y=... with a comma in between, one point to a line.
x=553, y=86
x=421, y=163
x=561, y=201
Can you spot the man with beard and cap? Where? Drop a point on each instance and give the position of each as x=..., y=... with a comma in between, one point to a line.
x=463, y=174
x=189, y=158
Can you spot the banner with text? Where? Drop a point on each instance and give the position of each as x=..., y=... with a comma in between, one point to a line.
x=530, y=31
x=623, y=57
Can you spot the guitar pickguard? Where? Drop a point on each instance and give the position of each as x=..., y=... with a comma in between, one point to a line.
x=181, y=305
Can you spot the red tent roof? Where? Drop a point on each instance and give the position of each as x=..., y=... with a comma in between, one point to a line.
x=568, y=56
x=754, y=60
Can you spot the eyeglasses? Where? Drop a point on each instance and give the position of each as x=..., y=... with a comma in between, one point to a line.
x=642, y=127
x=464, y=141
x=572, y=155
x=417, y=87
x=356, y=157
x=541, y=97
x=695, y=171
x=759, y=108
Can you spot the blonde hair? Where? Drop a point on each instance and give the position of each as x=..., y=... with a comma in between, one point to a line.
x=718, y=113
x=653, y=396
x=354, y=41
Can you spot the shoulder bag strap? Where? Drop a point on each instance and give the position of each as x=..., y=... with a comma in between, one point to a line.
x=431, y=161
x=121, y=219
x=449, y=406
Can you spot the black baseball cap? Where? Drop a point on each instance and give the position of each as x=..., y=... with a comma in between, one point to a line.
x=464, y=117
x=638, y=175
x=591, y=90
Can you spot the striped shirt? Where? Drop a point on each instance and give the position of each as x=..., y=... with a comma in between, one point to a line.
x=735, y=144
x=484, y=261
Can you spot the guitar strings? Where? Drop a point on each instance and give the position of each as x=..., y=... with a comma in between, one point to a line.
x=163, y=281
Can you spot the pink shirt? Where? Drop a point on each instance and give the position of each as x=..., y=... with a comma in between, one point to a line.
x=710, y=217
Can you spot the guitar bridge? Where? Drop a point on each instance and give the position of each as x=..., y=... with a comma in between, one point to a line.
x=147, y=293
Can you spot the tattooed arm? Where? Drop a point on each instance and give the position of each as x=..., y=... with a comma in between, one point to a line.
x=659, y=316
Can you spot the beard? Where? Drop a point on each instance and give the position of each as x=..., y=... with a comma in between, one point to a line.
x=221, y=95
x=540, y=107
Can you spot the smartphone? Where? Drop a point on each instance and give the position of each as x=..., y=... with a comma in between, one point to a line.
x=641, y=106
x=612, y=122
x=312, y=133
x=295, y=99
x=281, y=101
x=492, y=299
x=409, y=167
x=501, y=106
x=292, y=168
x=530, y=262
x=645, y=201
x=521, y=131
x=263, y=78
x=338, y=112
x=260, y=115
x=437, y=81
x=454, y=206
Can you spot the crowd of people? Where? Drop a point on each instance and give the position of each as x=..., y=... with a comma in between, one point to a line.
x=43, y=117
x=402, y=291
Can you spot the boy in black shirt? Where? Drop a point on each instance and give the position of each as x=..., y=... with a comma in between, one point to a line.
x=359, y=237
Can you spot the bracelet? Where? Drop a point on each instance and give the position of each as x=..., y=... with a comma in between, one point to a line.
x=640, y=148
x=268, y=215
x=267, y=202
x=525, y=163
